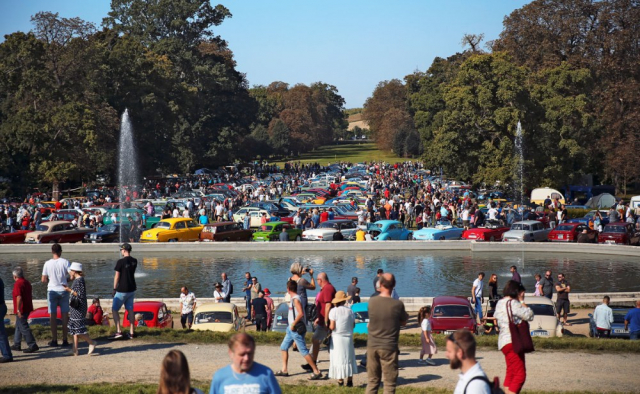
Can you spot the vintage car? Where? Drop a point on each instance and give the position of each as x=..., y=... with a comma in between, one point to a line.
x=545, y=319
x=387, y=230
x=40, y=316
x=443, y=230
x=151, y=222
x=270, y=231
x=619, y=233
x=173, y=230
x=56, y=232
x=490, y=232
x=14, y=237
x=451, y=313
x=154, y=314
x=589, y=217
x=271, y=207
x=281, y=319
x=326, y=230
x=46, y=207
x=219, y=317
x=254, y=213
x=104, y=234
x=617, y=327
x=224, y=231
x=526, y=231
x=569, y=232
x=361, y=310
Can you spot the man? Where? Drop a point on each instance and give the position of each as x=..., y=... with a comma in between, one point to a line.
x=243, y=375
x=227, y=288
x=338, y=236
x=295, y=333
x=22, y=306
x=563, y=288
x=321, y=324
x=124, y=289
x=386, y=316
x=259, y=311
x=283, y=235
x=247, y=294
x=351, y=289
x=603, y=317
x=632, y=322
x=377, y=277
x=476, y=294
x=5, y=349
x=547, y=285
x=256, y=287
x=54, y=273
x=515, y=276
x=187, y=305
x=461, y=352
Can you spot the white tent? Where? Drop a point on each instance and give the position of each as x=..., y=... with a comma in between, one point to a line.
x=604, y=200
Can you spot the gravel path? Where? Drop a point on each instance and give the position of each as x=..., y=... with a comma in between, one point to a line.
x=136, y=361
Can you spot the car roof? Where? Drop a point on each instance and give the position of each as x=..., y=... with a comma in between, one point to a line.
x=533, y=300
x=144, y=305
x=451, y=300
x=527, y=222
x=54, y=222
x=213, y=307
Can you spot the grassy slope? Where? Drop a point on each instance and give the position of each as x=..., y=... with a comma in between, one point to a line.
x=353, y=152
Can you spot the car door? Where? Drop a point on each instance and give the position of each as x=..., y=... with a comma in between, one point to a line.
x=538, y=232
x=255, y=218
x=194, y=230
x=180, y=230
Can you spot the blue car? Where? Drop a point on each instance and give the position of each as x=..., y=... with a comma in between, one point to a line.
x=388, y=230
x=444, y=230
x=361, y=310
x=589, y=216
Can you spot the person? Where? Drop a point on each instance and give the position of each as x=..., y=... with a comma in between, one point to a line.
x=227, y=287
x=461, y=352
x=96, y=314
x=493, y=291
x=476, y=294
x=428, y=344
x=514, y=274
x=188, y=303
x=386, y=316
x=270, y=308
x=563, y=288
x=218, y=294
x=174, y=375
x=283, y=235
x=513, y=301
x=342, y=355
x=77, y=326
x=303, y=285
x=124, y=289
x=538, y=285
x=360, y=234
x=256, y=287
x=54, y=273
x=547, y=285
x=244, y=375
x=321, y=324
x=23, y=306
x=603, y=317
x=377, y=278
x=632, y=322
x=356, y=296
x=247, y=293
x=351, y=289
x=5, y=349
x=139, y=320
x=295, y=333
x=259, y=311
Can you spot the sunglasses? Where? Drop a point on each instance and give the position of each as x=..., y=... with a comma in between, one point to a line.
x=452, y=339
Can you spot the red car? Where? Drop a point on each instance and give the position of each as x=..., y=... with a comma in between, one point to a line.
x=568, y=232
x=488, y=233
x=619, y=233
x=450, y=313
x=41, y=315
x=154, y=314
x=16, y=237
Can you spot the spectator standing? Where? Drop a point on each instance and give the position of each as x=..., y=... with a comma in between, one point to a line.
x=386, y=316
x=54, y=273
x=632, y=322
x=515, y=276
x=124, y=289
x=259, y=311
x=303, y=285
x=377, y=278
x=493, y=291
x=5, y=349
x=218, y=294
x=227, y=287
x=270, y=308
x=461, y=352
x=603, y=317
x=476, y=294
x=22, y=307
x=321, y=324
x=256, y=287
x=428, y=344
x=547, y=285
x=351, y=289
x=244, y=375
x=342, y=357
x=175, y=376
x=538, y=286
x=187, y=305
x=283, y=235
x=247, y=293
x=563, y=305
x=77, y=313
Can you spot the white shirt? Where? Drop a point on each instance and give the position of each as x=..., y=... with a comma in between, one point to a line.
x=187, y=302
x=478, y=285
x=425, y=325
x=217, y=294
x=176, y=213
x=56, y=270
x=344, y=318
x=519, y=313
x=477, y=386
x=492, y=213
x=465, y=214
x=603, y=316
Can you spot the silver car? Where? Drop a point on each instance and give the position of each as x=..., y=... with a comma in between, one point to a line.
x=526, y=231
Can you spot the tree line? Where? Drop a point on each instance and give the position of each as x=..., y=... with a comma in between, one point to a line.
x=65, y=84
x=568, y=70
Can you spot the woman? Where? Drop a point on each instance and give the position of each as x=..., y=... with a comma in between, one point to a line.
x=514, y=300
x=342, y=355
x=270, y=308
x=538, y=292
x=493, y=291
x=77, y=326
x=174, y=375
x=303, y=285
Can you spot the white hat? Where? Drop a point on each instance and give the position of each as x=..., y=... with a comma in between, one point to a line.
x=75, y=267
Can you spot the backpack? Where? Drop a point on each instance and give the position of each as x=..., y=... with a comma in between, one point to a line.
x=311, y=312
x=494, y=386
x=230, y=289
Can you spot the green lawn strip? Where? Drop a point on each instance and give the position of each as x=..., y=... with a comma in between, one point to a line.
x=350, y=152
x=406, y=340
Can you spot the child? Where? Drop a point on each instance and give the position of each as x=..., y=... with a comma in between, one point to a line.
x=428, y=344
x=140, y=320
x=356, y=296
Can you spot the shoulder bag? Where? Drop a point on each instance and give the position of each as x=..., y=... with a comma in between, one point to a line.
x=520, y=335
x=300, y=327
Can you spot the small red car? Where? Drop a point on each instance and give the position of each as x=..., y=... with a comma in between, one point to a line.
x=451, y=313
x=41, y=315
x=489, y=233
x=16, y=237
x=619, y=233
x=154, y=314
x=569, y=232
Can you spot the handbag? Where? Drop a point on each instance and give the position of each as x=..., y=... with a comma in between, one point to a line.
x=520, y=335
x=74, y=302
x=300, y=327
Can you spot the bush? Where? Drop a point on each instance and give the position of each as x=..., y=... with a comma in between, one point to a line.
x=577, y=213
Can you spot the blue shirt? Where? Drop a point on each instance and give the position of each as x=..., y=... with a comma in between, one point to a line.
x=248, y=284
x=259, y=379
x=633, y=317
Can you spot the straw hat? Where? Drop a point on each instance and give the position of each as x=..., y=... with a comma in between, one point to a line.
x=340, y=297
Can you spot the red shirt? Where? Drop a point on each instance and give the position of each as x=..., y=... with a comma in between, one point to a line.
x=324, y=216
x=325, y=297
x=22, y=288
x=97, y=313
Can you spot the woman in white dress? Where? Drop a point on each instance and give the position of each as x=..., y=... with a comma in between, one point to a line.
x=342, y=357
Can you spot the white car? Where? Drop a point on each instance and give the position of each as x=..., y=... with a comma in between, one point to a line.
x=526, y=231
x=545, y=320
x=326, y=230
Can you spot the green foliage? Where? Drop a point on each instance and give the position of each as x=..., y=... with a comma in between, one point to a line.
x=280, y=137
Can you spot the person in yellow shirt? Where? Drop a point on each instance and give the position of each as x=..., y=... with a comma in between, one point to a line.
x=360, y=234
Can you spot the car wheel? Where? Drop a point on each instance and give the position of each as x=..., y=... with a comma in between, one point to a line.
x=441, y=238
x=225, y=240
x=52, y=241
x=409, y=237
x=173, y=240
x=492, y=239
x=298, y=238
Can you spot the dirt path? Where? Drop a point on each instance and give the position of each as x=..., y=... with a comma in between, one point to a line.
x=136, y=361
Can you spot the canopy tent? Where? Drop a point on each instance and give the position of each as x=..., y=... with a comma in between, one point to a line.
x=604, y=200
x=203, y=171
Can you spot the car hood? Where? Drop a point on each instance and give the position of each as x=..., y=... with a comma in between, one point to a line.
x=34, y=234
x=516, y=233
x=320, y=231
x=217, y=327
x=541, y=322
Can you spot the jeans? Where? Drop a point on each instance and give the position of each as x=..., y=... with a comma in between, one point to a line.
x=23, y=330
x=479, y=307
x=261, y=323
x=291, y=337
x=4, y=341
x=634, y=335
x=382, y=363
x=247, y=301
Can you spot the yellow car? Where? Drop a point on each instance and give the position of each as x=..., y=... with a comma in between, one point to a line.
x=220, y=317
x=173, y=230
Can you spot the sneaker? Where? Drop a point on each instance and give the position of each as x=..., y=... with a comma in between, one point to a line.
x=6, y=360
x=421, y=361
x=307, y=367
x=430, y=362
x=65, y=343
x=52, y=343
x=32, y=349
x=16, y=347
x=117, y=335
x=92, y=348
x=131, y=336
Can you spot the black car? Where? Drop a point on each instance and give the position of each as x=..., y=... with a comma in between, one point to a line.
x=109, y=233
x=272, y=207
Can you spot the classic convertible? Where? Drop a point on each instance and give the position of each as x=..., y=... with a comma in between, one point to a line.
x=490, y=232
x=443, y=230
x=387, y=230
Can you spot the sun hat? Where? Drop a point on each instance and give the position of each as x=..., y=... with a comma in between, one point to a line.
x=340, y=297
x=217, y=284
x=77, y=267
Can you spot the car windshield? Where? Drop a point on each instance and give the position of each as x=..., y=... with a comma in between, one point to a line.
x=519, y=226
x=362, y=317
x=614, y=229
x=564, y=227
x=266, y=228
x=147, y=316
x=451, y=311
x=214, y=317
x=42, y=227
x=163, y=225
x=541, y=309
x=112, y=228
x=618, y=316
x=328, y=225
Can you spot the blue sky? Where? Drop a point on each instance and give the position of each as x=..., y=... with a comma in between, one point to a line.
x=352, y=44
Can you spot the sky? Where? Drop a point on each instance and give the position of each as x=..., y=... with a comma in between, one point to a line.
x=351, y=44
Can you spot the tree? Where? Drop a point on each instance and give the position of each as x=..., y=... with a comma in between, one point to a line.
x=384, y=109
x=280, y=137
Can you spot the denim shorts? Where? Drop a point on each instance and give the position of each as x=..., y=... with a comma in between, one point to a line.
x=123, y=298
x=291, y=337
x=57, y=299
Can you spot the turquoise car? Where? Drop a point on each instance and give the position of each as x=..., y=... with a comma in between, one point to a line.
x=151, y=221
x=361, y=310
x=388, y=230
x=443, y=230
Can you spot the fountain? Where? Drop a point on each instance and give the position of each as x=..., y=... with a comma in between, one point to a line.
x=127, y=163
x=519, y=176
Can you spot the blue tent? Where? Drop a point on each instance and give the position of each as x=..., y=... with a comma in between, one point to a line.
x=203, y=171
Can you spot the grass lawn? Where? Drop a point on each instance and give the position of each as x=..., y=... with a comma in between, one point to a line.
x=351, y=152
